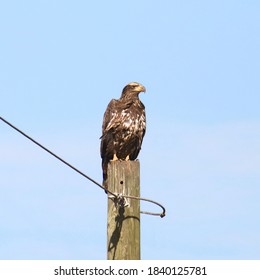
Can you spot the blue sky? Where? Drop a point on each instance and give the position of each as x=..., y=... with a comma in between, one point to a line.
x=61, y=62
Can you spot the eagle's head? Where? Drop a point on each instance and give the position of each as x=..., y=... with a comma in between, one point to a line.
x=132, y=90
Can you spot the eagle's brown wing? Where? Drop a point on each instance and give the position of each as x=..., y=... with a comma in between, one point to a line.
x=109, y=123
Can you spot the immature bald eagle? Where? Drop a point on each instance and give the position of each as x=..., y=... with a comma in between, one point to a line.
x=123, y=127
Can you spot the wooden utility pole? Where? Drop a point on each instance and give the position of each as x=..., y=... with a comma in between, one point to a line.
x=123, y=223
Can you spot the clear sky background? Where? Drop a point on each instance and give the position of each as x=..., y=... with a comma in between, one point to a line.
x=61, y=62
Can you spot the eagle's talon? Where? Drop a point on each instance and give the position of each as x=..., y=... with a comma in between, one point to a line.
x=114, y=158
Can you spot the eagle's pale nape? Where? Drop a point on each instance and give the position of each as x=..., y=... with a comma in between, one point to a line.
x=123, y=128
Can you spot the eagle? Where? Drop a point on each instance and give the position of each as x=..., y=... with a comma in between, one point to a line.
x=123, y=127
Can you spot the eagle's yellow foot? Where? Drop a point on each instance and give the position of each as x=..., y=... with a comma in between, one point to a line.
x=127, y=158
x=114, y=158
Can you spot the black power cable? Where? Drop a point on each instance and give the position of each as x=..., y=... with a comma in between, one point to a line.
x=114, y=196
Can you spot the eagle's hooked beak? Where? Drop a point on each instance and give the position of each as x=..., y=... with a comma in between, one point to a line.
x=141, y=88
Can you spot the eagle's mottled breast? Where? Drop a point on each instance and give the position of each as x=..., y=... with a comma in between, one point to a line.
x=130, y=131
